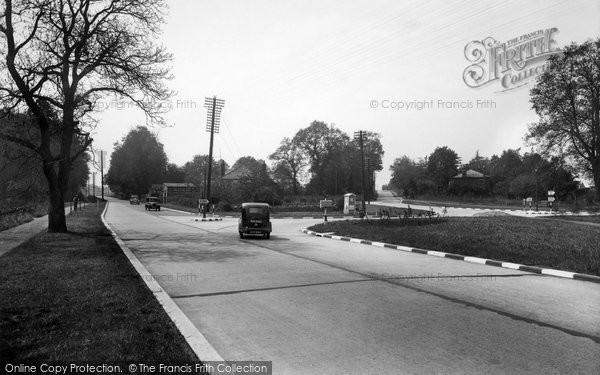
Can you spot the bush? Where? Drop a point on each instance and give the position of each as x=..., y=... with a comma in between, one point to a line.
x=224, y=206
x=14, y=218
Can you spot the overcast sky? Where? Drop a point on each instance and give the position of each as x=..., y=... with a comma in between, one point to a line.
x=279, y=65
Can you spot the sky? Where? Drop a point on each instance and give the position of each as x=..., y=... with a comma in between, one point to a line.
x=392, y=67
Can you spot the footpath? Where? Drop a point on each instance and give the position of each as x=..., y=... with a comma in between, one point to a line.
x=13, y=237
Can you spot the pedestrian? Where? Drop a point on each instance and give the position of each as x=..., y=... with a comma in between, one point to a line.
x=75, y=201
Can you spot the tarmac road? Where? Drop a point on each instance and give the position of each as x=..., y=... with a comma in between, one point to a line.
x=386, y=198
x=314, y=305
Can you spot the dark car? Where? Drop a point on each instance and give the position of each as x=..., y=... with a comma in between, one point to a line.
x=134, y=199
x=152, y=203
x=255, y=219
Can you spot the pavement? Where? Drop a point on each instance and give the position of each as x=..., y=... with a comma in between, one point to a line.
x=13, y=237
x=315, y=305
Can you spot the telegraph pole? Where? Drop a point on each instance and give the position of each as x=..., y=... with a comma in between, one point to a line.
x=359, y=136
x=213, y=118
x=369, y=178
x=102, y=172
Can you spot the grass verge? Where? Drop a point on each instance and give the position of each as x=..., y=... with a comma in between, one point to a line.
x=75, y=297
x=587, y=219
x=544, y=243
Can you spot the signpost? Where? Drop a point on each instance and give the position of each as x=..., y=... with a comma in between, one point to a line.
x=551, y=198
x=201, y=206
x=325, y=203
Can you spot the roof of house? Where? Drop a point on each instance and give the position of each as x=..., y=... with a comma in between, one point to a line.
x=178, y=184
x=237, y=173
x=470, y=174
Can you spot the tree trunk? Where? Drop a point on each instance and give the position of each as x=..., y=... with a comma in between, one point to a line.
x=596, y=173
x=295, y=183
x=57, y=222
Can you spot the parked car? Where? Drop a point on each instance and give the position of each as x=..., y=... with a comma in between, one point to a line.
x=152, y=203
x=255, y=219
x=134, y=199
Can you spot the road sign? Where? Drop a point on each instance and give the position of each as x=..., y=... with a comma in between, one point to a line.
x=550, y=193
x=202, y=201
x=326, y=203
x=551, y=199
x=529, y=199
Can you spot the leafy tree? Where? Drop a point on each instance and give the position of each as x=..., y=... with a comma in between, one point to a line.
x=137, y=163
x=411, y=177
x=321, y=143
x=479, y=164
x=442, y=165
x=290, y=160
x=549, y=174
x=195, y=171
x=523, y=186
x=256, y=166
x=174, y=173
x=283, y=176
x=257, y=185
x=507, y=166
x=567, y=99
x=335, y=160
x=59, y=57
x=561, y=179
x=373, y=150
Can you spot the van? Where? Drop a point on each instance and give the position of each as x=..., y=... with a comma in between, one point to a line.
x=255, y=219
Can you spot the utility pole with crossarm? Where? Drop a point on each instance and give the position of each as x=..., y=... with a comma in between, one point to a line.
x=213, y=118
x=359, y=137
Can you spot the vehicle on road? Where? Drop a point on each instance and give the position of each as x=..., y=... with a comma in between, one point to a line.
x=134, y=199
x=152, y=203
x=255, y=219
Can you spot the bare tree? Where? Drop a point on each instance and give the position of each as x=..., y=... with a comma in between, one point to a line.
x=60, y=57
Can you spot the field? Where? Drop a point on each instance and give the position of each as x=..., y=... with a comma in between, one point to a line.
x=536, y=242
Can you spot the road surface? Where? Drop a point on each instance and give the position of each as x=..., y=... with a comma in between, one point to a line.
x=314, y=305
x=387, y=199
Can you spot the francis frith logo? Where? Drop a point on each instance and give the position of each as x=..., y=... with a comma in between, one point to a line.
x=512, y=63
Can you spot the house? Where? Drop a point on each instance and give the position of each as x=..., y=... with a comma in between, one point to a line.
x=237, y=174
x=470, y=181
x=170, y=189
